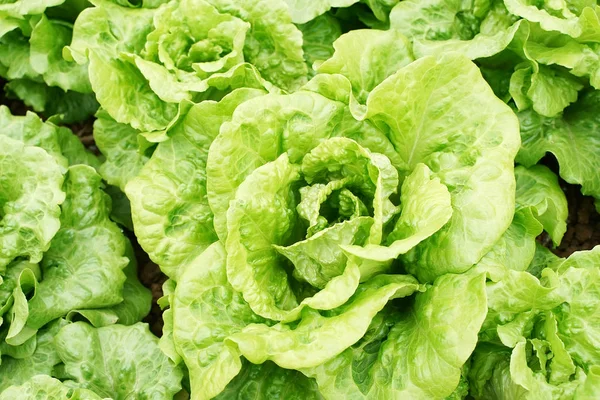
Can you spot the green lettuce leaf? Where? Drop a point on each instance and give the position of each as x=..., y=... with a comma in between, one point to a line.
x=538, y=187
x=569, y=137
x=318, y=37
x=83, y=266
x=315, y=339
x=117, y=361
x=476, y=29
x=578, y=19
x=30, y=195
x=44, y=387
x=366, y=58
x=303, y=11
x=170, y=211
x=17, y=371
x=119, y=143
x=417, y=353
x=417, y=119
x=548, y=328
x=425, y=209
x=151, y=63
x=62, y=107
x=204, y=301
x=270, y=381
x=31, y=56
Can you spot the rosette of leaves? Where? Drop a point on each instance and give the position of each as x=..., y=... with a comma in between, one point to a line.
x=288, y=224
x=540, y=54
x=147, y=64
x=540, y=57
x=539, y=340
x=63, y=260
x=32, y=37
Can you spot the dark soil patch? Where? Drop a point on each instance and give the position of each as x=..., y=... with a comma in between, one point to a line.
x=583, y=223
x=16, y=107
x=152, y=277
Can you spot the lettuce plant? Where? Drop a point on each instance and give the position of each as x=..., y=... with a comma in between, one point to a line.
x=32, y=37
x=144, y=66
x=345, y=196
x=63, y=260
x=312, y=213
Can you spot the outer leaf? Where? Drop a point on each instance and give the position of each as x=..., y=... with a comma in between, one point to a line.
x=316, y=339
x=17, y=371
x=538, y=187
x=119, y=144
x=123, y=91
x=19, y=8
x=170, y=209
x=578, y=321
x=29, y=199
x=109, y=29
x=20, y=275
x=117, y=361
x=422, y=356
x=303, y=11
x=516, y=248
x=490, y=375
x=83, y=267
x=30, y=130
x=542, y=259
x=476, y=29
x=73, y=150
x=206, y=310
x=318, y=37
x=270, y=381
x=423, y=107
x=520, y=292
x=547, y=90
x=47, y=41
x=137, y=299
x=63, y=107
x=42, y=387
x=578, y=22
x=566, y=137
x=367, y=57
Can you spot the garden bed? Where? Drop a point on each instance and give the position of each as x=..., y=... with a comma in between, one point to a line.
x=583, y=223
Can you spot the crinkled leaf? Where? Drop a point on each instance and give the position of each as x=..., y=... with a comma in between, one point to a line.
x=120, y=145
x=83, y=267
x=30, y=194
x=570, y=137
x=206, y=310
x=538, y=187
x=117, y=361
x=423, y=107
x=169, y=198
x=41, y=387
x=421, y=356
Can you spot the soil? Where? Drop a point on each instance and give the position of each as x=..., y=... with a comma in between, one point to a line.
x=583, y=223
x=152, y=277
